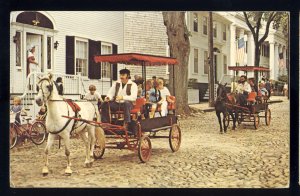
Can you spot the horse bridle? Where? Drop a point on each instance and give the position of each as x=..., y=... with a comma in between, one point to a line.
x=50, y=87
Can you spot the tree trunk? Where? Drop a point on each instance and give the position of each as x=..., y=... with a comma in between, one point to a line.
x=178, y=40
x=256, y=60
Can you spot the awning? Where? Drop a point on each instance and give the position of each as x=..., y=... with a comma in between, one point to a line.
x=136, y=59
x=248, y=68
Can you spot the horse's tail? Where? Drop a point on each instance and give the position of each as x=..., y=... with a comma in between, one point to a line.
x=99, y=133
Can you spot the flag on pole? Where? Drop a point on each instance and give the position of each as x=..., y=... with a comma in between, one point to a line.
x=240, y=51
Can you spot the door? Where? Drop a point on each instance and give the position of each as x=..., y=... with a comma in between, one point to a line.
x=35, y=40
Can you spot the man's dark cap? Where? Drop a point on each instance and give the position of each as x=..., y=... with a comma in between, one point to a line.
x=125, y=71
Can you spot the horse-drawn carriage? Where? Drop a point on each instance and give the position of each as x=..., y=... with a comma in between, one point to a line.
x=136, y=136
x=257, y=105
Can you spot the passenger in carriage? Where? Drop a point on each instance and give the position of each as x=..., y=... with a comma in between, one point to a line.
x=121, y=96
x=243, y=89
x=164, y=93
x=94, y=96
x=253, y=85
x=262, y=90
x=151, y=98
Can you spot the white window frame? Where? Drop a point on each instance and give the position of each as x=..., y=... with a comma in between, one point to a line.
x=205, y=60
x=106, y=64
x=195, y=15
x=87, y=54
x=203, y=26
x=224, y=30
x=225, y=63
x=197, y=61
x=216, y=25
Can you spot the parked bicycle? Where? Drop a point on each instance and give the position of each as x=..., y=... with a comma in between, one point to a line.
x=35, y=131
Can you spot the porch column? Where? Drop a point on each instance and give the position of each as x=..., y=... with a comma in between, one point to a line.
x=284, y=58
x=232, y=47
x=24, y=58
x=272, y=60
x=44, y=53
x=276, y=63
x=250, y=52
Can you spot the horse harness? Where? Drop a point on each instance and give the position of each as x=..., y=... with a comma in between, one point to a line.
x=76, y=109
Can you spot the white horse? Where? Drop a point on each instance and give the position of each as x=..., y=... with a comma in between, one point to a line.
x=58, y=125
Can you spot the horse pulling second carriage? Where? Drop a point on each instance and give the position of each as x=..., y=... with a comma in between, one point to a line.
x=257, y=106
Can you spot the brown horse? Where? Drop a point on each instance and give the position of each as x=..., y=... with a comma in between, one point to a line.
x=224, y=98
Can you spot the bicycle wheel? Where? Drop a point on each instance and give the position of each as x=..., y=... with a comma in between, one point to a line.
x=38, y=133
x=13, y=136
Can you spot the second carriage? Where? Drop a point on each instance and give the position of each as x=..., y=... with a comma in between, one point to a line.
x=257, y=106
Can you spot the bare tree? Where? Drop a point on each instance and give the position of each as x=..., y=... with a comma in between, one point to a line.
x=178, y=39
x=254, y=21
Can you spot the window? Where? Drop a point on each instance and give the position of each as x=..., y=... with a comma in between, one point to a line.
x=204, y=25
x=196, y=61
x=246, y=46
x=224, y=32
x=49, y=47
x=105, y=67
x=195, y=22
x=224, y=64
x=215, y=29
x=206, y=65
x=81, y=58
x=17, y=40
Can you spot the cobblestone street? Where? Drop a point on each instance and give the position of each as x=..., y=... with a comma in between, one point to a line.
x=242, y=158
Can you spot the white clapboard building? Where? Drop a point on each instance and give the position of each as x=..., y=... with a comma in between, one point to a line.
x=65, y=44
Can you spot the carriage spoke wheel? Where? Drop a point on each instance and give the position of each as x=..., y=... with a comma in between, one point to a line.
x=227, y=119
x=175, y=138
x=13, y=136
x=99, y=150
x=38, y=133
x=256, y=121
x=144, y=149
x=268, y=117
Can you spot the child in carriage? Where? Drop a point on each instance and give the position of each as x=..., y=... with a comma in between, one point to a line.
x=151, y=99
x=42, y=113
x=17, y=109
x=94, y=96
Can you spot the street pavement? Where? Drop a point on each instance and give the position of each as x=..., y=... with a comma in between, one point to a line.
x=245, y=158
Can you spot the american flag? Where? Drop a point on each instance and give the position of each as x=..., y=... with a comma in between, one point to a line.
x=281, y=61
x=240, y=51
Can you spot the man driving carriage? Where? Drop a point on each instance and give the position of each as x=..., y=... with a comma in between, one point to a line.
x=120, y=96
x=243, y=89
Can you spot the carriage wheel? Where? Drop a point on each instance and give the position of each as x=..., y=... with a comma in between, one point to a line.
x=227, y=119
x=144, y=149
x=13, y=136
x=98, y=151
x=175, y=138
x=268, y=117
x=256, y=120
x=38, y=133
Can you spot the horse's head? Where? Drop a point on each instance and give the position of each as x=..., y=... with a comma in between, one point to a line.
x=221, y=92
x=45, y=89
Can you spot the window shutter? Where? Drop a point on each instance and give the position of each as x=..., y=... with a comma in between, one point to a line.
x=70, y=55
x=115, y=66
x=94, y=68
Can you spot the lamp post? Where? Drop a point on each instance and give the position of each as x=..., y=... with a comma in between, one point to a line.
x=211, y=77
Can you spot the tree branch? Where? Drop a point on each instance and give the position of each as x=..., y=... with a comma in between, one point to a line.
x=270, y=19
x=249, y=24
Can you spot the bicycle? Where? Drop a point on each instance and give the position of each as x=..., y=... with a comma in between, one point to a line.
x=35, y=131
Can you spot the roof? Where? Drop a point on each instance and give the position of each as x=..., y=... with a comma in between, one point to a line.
x=248, y=68
x=136, y=59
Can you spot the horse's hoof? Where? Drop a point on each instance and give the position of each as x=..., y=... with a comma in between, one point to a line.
x=88, y=165
x=221, y=132
x=68, y=171
x=45, y=171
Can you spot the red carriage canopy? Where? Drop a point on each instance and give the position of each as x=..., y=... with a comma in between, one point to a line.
x=136, y=59
x=248, y=68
